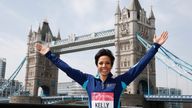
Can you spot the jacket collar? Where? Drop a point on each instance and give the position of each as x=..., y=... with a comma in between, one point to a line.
x=109, y=75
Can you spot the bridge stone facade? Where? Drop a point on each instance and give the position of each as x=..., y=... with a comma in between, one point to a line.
x=128, y=21
x=40, y=72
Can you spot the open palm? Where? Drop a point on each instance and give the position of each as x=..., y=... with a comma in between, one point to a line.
x=41, y=48
x=161, y=39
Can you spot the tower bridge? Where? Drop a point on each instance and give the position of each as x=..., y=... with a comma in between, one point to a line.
x=129, y=48
x=128, y=21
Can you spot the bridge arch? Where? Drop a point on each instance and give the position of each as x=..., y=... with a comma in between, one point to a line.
x=43, y=91
x=142, y=87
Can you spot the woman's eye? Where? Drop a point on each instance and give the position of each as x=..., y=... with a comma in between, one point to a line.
x=100, y=63
x=107, y=63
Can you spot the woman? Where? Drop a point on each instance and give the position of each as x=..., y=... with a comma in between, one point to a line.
x=104, y=91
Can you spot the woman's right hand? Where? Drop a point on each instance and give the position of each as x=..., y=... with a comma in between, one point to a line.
x=42, y=48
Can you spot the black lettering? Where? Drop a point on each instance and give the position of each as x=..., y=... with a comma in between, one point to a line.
x=96, y=105
x=107, y=105
x=101, y=105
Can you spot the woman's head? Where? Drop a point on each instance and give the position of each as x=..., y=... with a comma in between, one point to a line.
x=104, y=52
x=104, y=60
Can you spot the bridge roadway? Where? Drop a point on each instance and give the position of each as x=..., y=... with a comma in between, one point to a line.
x=58, y=99
x=84, y=99
x=169, y=98
x=85, y=42
x=164, y=98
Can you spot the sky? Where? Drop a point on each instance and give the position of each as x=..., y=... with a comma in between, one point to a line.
x=87, y=16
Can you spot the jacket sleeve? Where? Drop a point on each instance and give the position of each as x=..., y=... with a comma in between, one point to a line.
x=75, y=74
x=135, y=70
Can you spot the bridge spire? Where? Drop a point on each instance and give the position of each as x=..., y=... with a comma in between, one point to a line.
x=45, y=30
x=151, y=16
x=135, y=5
x=58, y=35
x=118, y=10
x=30, y=31
x=39, y=29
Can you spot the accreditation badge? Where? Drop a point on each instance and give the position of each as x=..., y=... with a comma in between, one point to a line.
x=102, y=100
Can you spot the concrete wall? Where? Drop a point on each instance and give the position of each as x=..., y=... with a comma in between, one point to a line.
x=134, y=100
x=25, y=99
x=17, y=105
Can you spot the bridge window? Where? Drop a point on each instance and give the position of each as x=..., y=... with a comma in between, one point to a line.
x=128, y=63
x=129, y=92
x=125, y=47
x=125, y=63
x=121, y=64
x=121, y=47
x=31, y=60
x=41, y=74
x=142, y=87
x=128, y=45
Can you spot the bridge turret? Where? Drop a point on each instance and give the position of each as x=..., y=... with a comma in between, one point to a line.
x=39, y=29
x=117, y=14
x=58, y=35
x=135, y=5
x=117, y=27
x=142, y=14
x=128, y=50
x=40, y=73
x=30, y=35
x=134, y=9
x=30, y=32
x=152, y=18
x=45, y=29
x=134, y=15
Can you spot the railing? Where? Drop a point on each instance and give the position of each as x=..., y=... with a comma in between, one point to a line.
x=57, y=99
x=169, y=98
x=84, y=37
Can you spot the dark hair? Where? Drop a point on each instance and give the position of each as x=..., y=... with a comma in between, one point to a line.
x=104, y=52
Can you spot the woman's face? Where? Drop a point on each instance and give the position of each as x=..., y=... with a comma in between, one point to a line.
x=104, y=65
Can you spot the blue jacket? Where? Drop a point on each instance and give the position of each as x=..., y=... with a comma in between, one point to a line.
x=111, y=85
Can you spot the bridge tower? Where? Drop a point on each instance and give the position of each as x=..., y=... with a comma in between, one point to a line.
x=128, y=21
x=40, y=72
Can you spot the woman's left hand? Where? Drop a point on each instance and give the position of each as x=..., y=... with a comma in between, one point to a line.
x=161, y=40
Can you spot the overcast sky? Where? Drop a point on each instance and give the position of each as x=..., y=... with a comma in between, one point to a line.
x=87, y=16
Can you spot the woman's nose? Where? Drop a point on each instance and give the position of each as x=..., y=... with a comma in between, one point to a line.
x=103, y=65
